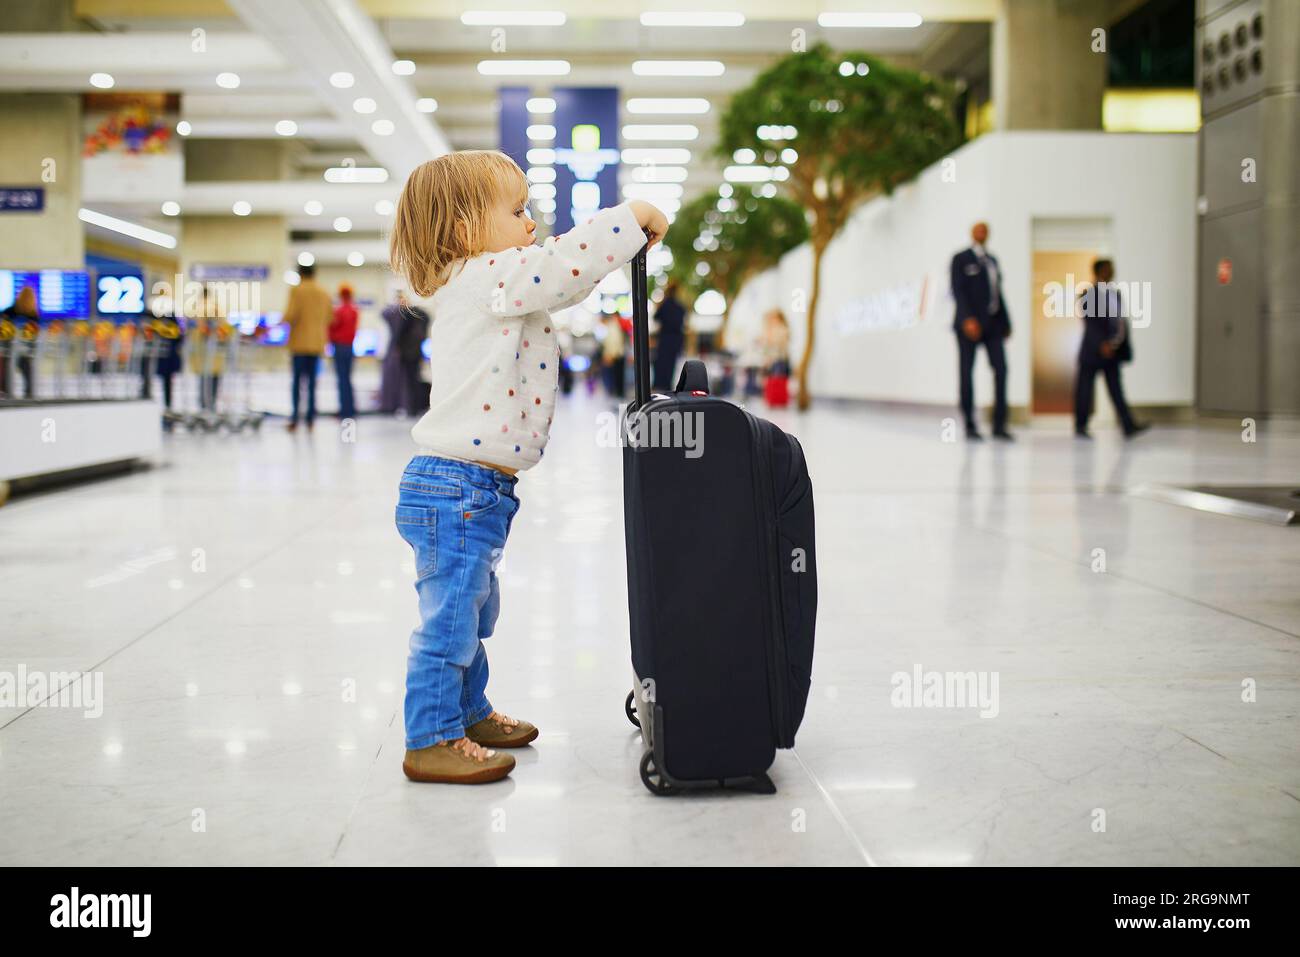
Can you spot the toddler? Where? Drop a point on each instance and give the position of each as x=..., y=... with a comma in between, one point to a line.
x=462, y=234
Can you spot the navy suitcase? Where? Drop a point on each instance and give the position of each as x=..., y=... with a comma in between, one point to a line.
x=721, y=578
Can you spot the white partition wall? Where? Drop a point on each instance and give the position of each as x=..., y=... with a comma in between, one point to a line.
x=885, y=317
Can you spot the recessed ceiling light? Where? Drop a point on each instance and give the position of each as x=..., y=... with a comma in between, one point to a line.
x=171, y=208
x=291, y=277
x=403, y=67
x=183, y=128
x=241, y=208
x=668, y=155
x=540, y=104
x=306, y=259
x=384, y=207
x=678, y=68
x=313, y=207
x=356, y=174
x=342, y=80
x=540, y=131
x=524, y=67
x=228, y=81
x=126, y=228
x=364, y=104
x=426, y=104
x=747, y=174
x=667, y=104
x=513, y=18
x=382, y=127
x=356, y=259
x=540, y=156
x=660, y=131
x=342, y=224
x=540, y=174
x=286, y=127
x=675, y=19
x=879, y=21
x=102, y=81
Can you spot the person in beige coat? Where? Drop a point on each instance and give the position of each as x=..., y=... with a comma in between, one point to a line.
x=308, y=316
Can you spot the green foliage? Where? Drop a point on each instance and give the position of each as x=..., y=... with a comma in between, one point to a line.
x=859, y=135
x=750, y=237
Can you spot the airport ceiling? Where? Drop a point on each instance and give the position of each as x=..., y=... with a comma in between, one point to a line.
x=286, y=54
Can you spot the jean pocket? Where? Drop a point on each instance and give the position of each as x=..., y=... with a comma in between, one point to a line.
x=479, y=501
x=419, y=527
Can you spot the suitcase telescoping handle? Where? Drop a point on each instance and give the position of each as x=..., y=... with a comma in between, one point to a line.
x=641, y=327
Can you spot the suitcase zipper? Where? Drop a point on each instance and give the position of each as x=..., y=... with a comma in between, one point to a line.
x=776, y=660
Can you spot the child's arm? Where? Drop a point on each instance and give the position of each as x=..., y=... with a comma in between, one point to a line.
x=515, y=282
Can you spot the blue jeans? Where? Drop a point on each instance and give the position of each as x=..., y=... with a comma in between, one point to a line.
x=343, y=372
x=456, y=517
x=304, y=375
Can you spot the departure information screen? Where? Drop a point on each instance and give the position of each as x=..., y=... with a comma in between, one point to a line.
x=60, y=293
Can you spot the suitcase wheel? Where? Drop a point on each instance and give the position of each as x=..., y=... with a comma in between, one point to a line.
x=629, y=708
x=651, y=778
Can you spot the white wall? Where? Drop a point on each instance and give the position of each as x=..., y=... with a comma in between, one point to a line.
x=894, y=257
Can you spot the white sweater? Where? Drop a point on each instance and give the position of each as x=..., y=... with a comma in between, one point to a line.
x=494, y=354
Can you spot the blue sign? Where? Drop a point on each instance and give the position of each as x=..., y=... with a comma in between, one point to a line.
x=120, y=294
x=586, y=146
x=60, y=293
x=22, y=199
x=206, y=272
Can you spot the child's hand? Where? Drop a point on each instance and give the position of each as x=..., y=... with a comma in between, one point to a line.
x=651, y=219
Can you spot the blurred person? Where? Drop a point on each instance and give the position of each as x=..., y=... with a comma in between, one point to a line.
x=308, y=315
x=613, y=356
x=166, y=359
x=391, y=382
x=415, y=329
x=1106, y=343
x=776, y=358
x=981, y=319
x=20, y=312
x=671, y=316
x=342, y=332
x=207, y=355
x=462, y=235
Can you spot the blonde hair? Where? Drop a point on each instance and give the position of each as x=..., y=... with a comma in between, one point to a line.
x=25, y=302
x=443, y=213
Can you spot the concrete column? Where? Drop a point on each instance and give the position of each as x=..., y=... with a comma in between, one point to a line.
x=42, y=148
x=244, y=241
x=1045, y=73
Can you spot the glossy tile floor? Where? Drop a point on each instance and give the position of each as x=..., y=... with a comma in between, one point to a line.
x=248, y=604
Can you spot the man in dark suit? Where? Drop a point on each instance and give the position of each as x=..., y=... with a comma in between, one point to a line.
x=1106, y=343
x=981, y=319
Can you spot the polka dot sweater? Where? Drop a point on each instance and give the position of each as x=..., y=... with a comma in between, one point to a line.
x=495, y=356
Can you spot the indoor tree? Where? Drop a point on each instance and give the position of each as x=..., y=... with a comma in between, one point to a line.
x=736, y=237
x=847, y=127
